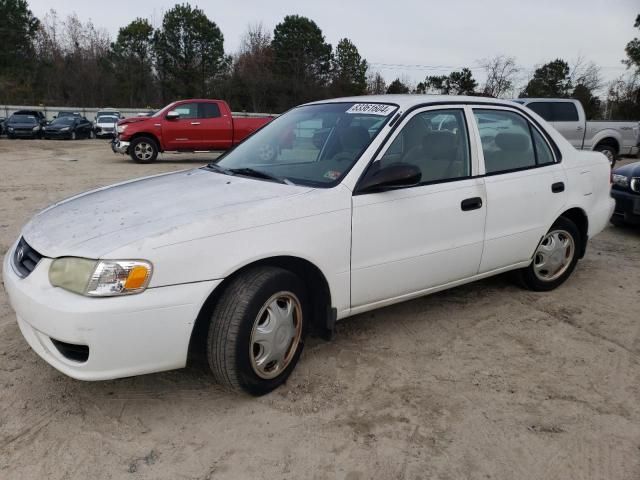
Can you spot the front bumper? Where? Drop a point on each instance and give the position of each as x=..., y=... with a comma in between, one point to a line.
x=119, y=146
x=57, y=134
x=627, y=205
x=24, y=133
x=126, y=336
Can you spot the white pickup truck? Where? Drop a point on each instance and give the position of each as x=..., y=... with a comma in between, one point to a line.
x=566, y=115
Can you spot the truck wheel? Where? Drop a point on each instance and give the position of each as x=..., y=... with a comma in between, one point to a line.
x=554, y=259
x=257, y=330
x=143, y=150
x=609, y=152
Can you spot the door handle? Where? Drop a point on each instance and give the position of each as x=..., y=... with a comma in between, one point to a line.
x=557, y=187
x=195, y=123
x=579, y=128
x=471, y=204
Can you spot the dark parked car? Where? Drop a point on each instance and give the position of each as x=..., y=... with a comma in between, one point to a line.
x=69, y=127
x=625, y=188
x=23, y=126
x=67, y=114
x=2, y=129
x=40, y=116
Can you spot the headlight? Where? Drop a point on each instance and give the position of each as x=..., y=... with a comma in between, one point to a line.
x=635, y=184
x=100, y=278
x=122, y=128
x=620, y=180
x=35, y=129
x=10, y=129
x=65, y=129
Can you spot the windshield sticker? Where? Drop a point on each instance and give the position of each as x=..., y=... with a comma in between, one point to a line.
x=332, y=175
x=371, y=109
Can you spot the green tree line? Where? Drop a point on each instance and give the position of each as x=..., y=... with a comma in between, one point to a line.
x=65, y=61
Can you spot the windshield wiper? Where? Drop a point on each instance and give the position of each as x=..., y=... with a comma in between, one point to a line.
x=251, y=172
x=217, y=168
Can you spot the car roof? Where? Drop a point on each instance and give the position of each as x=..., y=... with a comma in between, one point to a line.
x=412, y=100
x=547, y=100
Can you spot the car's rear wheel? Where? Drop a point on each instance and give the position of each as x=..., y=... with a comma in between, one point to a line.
x=609, y=152
x=143, y=150
x=257, y=330
x=554, y=259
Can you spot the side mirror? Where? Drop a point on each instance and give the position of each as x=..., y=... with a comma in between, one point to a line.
x=396, y=175
x=173, y=115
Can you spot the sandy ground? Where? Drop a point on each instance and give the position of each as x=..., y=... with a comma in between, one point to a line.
x=485, y=381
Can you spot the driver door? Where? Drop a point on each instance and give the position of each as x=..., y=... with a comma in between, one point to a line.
x=406, y=241
x=183, y=133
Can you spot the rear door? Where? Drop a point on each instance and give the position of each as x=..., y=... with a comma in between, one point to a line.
x=216, y=127
x=183, y=133
x=525, y=185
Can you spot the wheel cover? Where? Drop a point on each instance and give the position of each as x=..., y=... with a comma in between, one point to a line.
x=276, y=334
x=143, y=151
x=554, y=255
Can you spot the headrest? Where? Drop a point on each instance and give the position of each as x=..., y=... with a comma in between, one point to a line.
x=513, y=142
x=354, y=138
x=440, y=142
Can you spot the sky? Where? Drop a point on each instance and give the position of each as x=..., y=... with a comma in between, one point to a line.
x=414, y=38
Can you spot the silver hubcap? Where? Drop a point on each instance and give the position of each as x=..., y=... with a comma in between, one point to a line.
x=554, y=255
x=276, y=335
x=143, y=151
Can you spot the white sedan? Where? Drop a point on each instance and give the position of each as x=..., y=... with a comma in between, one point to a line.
x=333, y=209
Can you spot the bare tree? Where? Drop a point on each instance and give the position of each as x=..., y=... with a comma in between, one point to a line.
x=252, y=75
x=502, y=73
x=586, y=73
x=376, y=84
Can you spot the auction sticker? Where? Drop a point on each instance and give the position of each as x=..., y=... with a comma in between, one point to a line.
x=371, y=109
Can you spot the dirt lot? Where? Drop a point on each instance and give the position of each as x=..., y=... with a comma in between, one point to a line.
x=485, y=381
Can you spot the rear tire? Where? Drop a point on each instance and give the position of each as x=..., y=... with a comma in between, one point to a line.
x=257, y=330
x=609, y=152
x=554, y=259
x=143, y=150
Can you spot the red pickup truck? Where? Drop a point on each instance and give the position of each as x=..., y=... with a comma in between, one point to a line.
x=183, y=126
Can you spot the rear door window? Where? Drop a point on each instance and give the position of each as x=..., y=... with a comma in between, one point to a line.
x=209, y=110
x=564, y=112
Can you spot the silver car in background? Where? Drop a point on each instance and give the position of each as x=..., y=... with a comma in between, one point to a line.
x=105, y=125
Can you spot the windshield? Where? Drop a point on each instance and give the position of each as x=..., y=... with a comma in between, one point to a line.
x=66, y=120
x=23, y=119
x=312, y=145
x=107, y=119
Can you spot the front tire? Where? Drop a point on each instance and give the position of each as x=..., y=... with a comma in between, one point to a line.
x=257, y=330
x=143, y=150
x=554, y=259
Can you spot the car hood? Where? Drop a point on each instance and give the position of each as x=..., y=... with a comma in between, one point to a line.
x=58, y=127
x=95, y=223
x=21, y=125
x=106, y=124
x=630, y=170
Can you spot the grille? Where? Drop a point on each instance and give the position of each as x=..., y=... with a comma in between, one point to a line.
x=25, y=258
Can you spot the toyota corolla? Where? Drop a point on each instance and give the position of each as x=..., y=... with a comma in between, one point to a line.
x=334, y=208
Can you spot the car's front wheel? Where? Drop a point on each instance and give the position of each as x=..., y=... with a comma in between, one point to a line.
x=257, y=330
x=143, y=150
x=554, y=259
